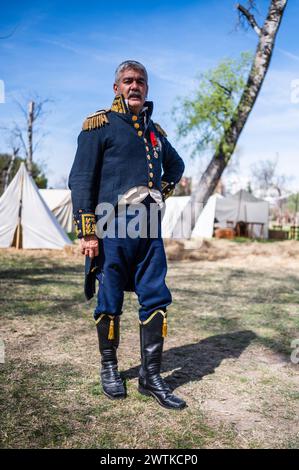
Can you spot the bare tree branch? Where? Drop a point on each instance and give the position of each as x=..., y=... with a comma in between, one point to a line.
x=18, y=134
x=250, y=18
x=266, y=177
x=37, y=144
x=15, y=151
x=21, y=108
x=32, y=112
x=39, y=107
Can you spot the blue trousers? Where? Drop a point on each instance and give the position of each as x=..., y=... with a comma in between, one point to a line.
x=132, y=264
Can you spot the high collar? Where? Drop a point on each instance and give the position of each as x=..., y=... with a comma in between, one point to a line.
x=120, y=105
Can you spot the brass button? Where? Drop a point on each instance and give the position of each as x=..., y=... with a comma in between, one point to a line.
x=140, y=133
x=151, y=175
x=150, y=165
x=150, y=184
x=136, y=125
x=148, y=157
x=134, y=118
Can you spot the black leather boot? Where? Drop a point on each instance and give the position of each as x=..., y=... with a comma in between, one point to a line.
x=108, y=333
x=152, y=333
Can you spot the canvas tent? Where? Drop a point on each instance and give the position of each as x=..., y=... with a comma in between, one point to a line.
x=205, y=223
x=174, y=216
x=25, y=219
x=60, y=203
x=242, y=206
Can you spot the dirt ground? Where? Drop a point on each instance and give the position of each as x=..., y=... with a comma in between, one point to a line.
x=228, y=352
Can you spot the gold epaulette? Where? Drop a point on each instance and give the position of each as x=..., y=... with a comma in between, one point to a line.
x=159, y=129
x=98, y=119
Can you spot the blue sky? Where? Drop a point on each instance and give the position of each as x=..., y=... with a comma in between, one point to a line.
x=68, y=51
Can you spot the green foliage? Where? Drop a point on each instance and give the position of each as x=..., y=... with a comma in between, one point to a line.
x=72, y=236
x=208, y=112
x=293, y=203
x=37, y=171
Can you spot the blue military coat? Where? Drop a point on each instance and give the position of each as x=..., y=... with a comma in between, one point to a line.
x=118, y=150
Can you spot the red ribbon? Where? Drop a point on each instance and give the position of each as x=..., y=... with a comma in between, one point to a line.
x=153, y=139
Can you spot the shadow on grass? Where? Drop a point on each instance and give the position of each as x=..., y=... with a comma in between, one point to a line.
x=50, y=290
x=194, y=361
x=39, y=275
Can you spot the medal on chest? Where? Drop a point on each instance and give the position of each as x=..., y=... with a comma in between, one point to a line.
x=156, y=144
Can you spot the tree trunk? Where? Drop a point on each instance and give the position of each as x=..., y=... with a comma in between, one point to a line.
x=10, y=167
x=267, y=35
x=30, y=133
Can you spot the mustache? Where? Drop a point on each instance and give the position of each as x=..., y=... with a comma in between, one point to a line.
x=135, y=94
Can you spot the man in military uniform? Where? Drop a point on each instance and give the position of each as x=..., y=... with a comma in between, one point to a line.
x=120, y=156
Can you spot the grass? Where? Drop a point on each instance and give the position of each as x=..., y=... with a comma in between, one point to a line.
x=227, y=354
x=252, y=240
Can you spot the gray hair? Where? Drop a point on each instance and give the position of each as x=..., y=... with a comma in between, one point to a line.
x=130, y=64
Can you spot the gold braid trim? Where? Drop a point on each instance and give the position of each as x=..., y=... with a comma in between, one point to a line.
x=119, y=105
x=100, y=318
x=85, y=223
x=164, y=325
x=111, y=334
x=88, y=224
x=98, y=119
x=159, y=129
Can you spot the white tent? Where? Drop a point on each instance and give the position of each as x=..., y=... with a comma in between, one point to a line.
x=25, y=219
x=60, y=203
x=226, y=211
x=205, y=223
x=174, y=216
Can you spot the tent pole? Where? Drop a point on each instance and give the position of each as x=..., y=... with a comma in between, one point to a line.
x=19, y=241
x=18, y=244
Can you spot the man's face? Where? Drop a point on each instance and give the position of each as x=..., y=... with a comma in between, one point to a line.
x=132, y=84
